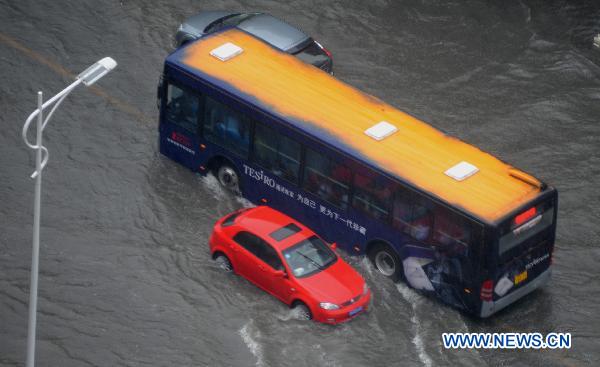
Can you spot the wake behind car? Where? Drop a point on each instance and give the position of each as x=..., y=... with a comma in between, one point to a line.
x=266, y=27
x=289, y=261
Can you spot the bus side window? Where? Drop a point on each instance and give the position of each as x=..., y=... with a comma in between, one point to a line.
x=372, y=195
x=451, y=230
x=401, y=212
x=182, y=108
x=226, y=127
x=421, y=220
x=411, y=215
x=326, y=178
x=277, y=153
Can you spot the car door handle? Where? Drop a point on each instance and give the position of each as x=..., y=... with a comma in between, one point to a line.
x=262, y=268
x=234, y=248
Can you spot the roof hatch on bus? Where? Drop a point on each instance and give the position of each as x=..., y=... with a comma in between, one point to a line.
x=226, y=51
x=462, y=171
x=381, y=130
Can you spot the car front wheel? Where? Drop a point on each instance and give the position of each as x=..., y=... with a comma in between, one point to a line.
x=301, y=311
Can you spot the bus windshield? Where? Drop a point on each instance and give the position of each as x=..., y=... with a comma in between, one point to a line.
x=308, y=257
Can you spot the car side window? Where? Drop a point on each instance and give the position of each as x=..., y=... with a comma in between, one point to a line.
x=182, y=108
x=259, y=248
x=270, y=257
x=248, y=241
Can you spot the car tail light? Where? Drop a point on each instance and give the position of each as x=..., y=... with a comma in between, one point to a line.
x=486, y=290
x=525, y=216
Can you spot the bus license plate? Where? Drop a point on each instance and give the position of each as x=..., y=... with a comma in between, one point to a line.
x=520, y=277
x=355, y=311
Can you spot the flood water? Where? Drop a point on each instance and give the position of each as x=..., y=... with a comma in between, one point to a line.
x=125, y=274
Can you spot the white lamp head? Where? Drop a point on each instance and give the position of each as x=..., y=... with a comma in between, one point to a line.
x=90, y=75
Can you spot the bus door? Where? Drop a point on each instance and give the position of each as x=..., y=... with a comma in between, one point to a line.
x=179, y=125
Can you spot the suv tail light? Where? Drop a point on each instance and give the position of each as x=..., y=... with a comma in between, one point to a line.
x=327, y=52
x=487, y=288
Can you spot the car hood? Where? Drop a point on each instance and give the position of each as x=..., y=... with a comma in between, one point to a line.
x=274, y=31
x=337, y=283
x=197, y=23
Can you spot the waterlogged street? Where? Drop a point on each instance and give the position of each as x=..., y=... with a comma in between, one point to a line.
x=125, y=274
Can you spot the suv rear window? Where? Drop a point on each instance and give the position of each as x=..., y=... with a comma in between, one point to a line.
x=285, y=232
x=312, y=54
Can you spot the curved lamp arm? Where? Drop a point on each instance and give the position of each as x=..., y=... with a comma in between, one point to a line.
x=88, y=77
x=56, y=100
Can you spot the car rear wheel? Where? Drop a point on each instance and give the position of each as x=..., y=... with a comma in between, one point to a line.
x=229, y=178
x=223, y=262
x=301, y=311
x=386, y=261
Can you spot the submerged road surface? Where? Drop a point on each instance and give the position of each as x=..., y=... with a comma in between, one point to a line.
x=125, y=276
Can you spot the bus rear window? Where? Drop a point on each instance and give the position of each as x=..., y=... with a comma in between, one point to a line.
x=525, y=225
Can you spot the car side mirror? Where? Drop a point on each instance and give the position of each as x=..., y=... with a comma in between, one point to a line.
x=333, y=246
x=279, y=274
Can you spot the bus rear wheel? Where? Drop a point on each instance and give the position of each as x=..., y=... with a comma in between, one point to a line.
x=386, y=261
x=229, y=178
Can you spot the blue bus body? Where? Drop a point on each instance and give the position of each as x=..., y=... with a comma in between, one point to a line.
x=354, y=231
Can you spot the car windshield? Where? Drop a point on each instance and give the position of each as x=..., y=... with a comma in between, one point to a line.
x=228, y=21
x=308, y=257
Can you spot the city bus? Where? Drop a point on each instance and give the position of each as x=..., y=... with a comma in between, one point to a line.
x=426, y=208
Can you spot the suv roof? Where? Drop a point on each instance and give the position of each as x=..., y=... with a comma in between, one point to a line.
x=273, y=30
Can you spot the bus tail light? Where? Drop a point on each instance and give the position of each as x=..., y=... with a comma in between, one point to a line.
x=525, y=216
x=487, y=288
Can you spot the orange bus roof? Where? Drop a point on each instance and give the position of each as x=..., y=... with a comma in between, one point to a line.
x=416, y=152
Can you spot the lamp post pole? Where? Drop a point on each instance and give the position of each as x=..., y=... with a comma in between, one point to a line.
x=36, y=241
x=88, y=77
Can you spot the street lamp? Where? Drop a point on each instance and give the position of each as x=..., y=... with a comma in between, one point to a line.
x=87, y=77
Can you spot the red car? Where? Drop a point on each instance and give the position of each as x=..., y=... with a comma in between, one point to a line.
x=288, y=260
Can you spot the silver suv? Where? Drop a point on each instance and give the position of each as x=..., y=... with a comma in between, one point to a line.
x=264, y=26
